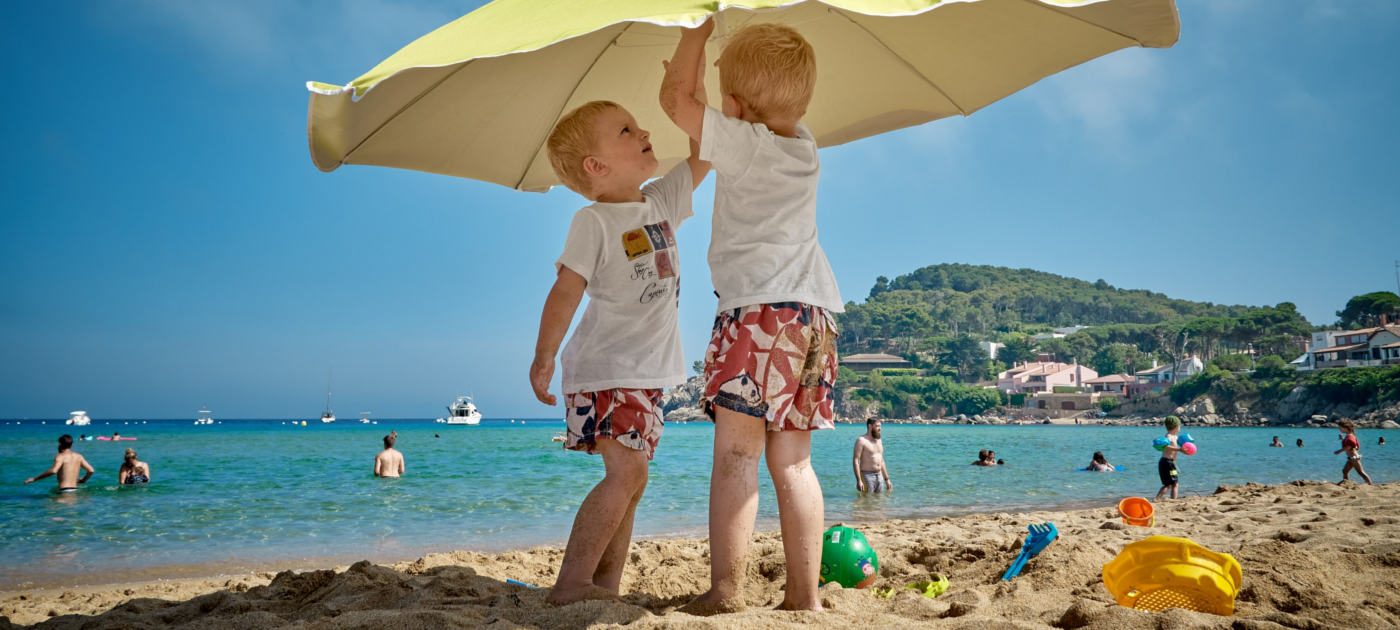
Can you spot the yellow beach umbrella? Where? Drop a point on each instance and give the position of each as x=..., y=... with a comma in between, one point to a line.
x=477, y=97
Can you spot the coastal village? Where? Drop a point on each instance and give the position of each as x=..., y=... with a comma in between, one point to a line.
x=1047, y=391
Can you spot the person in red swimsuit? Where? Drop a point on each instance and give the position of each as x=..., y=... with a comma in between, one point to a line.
x=1352, y=446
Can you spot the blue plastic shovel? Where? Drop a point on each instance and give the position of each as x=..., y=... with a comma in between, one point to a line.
x=1040, y=536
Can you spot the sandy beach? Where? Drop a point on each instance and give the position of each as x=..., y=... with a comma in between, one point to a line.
x=1314, y=555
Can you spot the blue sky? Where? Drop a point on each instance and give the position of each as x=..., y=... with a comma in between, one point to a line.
x=165, y=241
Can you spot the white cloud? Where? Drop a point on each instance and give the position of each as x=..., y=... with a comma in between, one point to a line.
x=1107, y=96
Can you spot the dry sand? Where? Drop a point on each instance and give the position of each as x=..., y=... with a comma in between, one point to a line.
x=1315, y=555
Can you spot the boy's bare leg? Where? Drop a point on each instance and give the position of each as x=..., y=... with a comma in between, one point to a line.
x=800, y=511
x=739, y=441
x=608, y=575
x=597, y=523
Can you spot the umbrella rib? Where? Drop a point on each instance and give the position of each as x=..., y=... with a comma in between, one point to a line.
x=370, y=136
x=902, y=60
x=1084, y=21
x=601, y=51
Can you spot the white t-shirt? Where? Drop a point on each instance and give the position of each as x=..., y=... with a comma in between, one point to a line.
x=629, y=336
x=763, y=243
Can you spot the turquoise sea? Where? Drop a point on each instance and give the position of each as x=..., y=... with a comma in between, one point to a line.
x=256, y=494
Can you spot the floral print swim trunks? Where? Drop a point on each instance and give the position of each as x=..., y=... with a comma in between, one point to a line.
x=631, y=416
x=776, y=362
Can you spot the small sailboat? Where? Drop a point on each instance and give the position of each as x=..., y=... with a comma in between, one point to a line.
x=462, y=411
x=364, y=417
x=204, y=417
x=328, y=416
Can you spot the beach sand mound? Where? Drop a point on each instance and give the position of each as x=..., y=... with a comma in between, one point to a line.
x=1314, y=555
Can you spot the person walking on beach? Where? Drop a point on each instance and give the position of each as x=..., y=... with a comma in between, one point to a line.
x=66, y=464
x=621, y=250
x=1166, y=466
x=869, y=460
x=771, y=359
x=389, y=462
x=1352, y=446
x=133, y=470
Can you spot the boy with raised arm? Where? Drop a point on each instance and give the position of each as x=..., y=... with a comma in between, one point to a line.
x=66, y=465
x=621, y=250
x=771, y=360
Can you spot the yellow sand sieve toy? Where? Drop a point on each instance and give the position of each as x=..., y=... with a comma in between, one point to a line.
x=1161, y=572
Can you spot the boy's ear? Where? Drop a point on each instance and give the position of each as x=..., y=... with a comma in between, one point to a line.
x=595, y=167
x=735, y=105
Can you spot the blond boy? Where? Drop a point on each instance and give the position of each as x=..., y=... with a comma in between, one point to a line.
x=772, y=354
x=621, y=251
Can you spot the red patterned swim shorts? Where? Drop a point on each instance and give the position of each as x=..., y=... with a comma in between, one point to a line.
x=776, y=362
x=630, y=416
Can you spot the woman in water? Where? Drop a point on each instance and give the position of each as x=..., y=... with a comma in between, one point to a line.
x=1099, y=463
x=133, y=471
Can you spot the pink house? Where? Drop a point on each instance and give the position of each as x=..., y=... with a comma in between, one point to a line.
x=1043, y=376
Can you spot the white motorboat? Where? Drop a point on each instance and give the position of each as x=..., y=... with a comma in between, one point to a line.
x=204, y=417
x=462, y=411
x=328, y=416
x=364, y=417
x=78, y=419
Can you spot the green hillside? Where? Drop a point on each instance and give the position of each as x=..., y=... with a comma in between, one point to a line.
x=944, y=309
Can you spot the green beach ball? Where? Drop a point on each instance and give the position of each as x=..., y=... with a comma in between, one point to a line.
x=847, y=558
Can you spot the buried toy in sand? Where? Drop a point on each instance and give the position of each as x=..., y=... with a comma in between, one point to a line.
x=1039, y=537
x=847, y=558
x=1161, y=572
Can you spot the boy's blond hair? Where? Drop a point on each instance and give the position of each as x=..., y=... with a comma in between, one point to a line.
x=1346, y=425
x=771, y=68
x=572, y=140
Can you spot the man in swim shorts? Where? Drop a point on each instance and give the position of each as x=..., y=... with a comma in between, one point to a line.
x=869, y=460
x=66, y=464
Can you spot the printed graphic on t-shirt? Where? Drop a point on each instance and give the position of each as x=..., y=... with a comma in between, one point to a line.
x=658, y=241
x=663, y=264
x=636, y=243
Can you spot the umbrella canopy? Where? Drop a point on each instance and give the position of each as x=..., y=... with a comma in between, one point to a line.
x=477, y=98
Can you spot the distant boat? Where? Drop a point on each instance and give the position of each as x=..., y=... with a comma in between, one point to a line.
x=462, y=411
x=78, y=419
x=328, y=416
x=204, y=417
x=364, y=417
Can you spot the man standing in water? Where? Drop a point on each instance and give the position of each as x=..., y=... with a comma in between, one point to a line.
x=389, y=462
x=66, y=464
x=869, y=460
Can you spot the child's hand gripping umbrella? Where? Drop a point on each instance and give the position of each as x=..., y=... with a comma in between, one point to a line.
x=1036, y=541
